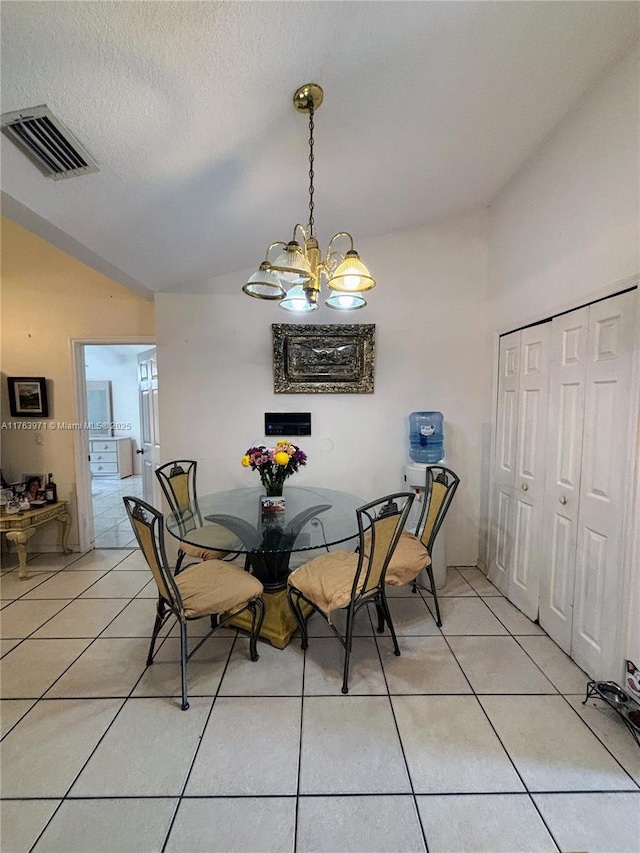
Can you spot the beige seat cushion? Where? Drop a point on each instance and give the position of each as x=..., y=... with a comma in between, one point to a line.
x=407, y=561
x=327, y=580
x=215, y=587
x=200, y=539
x=200, y=553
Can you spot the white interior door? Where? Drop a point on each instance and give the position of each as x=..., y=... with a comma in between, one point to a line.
x=604, y=485
x=524, y=575
x=518, y=476
x=501, y=534
x=590, y=462
x=569, y=334
x=149, y=421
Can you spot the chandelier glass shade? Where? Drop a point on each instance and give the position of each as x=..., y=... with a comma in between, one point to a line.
x=295, y=274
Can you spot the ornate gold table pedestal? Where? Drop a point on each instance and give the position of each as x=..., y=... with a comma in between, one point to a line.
x=279, y=622
x=20, y=527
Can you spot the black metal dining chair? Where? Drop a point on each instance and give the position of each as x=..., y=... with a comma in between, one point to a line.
x=414, y=550
x=343, y=580
x=178, y=481
x=212, y=588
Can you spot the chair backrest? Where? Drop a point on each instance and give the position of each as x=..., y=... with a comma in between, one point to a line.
x=440, y=488
x=178, y=481
x=147, y=524
x=380, y=524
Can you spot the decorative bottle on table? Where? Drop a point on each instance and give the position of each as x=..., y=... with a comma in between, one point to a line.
x=51, y=491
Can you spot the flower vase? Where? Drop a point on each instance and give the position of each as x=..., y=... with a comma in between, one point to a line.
x=273, y=490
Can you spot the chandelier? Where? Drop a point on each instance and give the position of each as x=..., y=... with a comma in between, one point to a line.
x=295, y=275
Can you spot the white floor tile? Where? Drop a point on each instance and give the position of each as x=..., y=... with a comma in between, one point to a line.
x=250, y=747
x=456, y=585
x=350, y=746
x=108, y=826
x=7, y=645
x=65, y=585
x=513, y=620
x=550, y=752
x=11, y=586
x=411, y=617
x=359, y=825
x=450, y=746
x=324, y=668
x=147, y=751
x=498, y=665
x=425, y=665
x=22, y=821
x=466, y=616
x=479, y=581
x=98, y=559
x=561, y=671
x=277, y=672
x=599, y=823
x=484, y=823
x=204, y=670
x=81, y=618
x=34, y=665
x=118, y=585
x=611, y=730
x=23, y=617
x=107, y=668
x=11, y=710
x=237, y=825
x=135, y=619
x=44, y=753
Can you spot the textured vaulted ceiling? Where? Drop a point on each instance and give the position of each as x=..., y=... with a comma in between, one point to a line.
x=430, y=108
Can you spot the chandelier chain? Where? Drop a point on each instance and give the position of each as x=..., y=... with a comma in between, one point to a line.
x=311, y=202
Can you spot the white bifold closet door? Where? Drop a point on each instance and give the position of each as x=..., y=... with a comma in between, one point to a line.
x=588, y=475
x=519, y=469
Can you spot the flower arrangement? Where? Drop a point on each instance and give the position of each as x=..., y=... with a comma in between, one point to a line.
x=274, y=464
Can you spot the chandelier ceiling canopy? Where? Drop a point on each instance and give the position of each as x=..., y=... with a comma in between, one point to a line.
x=294, y=276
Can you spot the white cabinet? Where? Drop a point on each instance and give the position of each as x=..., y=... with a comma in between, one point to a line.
x=111, y=456
x=561, y=475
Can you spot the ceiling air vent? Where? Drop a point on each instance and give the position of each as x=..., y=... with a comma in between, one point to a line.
x=47, y=143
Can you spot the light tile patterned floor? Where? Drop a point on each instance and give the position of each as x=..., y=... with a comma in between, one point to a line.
x=475, y=739
x=111, y=525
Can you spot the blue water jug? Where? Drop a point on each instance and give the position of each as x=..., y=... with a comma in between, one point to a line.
x=426, y=436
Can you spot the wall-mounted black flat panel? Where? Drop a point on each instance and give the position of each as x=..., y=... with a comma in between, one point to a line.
x=287, y=423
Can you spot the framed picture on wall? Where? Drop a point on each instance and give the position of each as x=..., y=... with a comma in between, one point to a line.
x=323, y=359
x=28, y=396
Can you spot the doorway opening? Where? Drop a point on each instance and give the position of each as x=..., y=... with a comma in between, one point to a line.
x=109, y=450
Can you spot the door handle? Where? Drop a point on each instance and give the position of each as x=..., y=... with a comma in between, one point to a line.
x=139, y=451
x=525, y=487
x=562, y=500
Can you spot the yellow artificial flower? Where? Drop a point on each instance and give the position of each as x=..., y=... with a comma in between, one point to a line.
x=282, y=443
x=282, y=458
x=245, y=461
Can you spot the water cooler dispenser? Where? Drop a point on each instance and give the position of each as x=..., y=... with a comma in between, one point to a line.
x=426, y=448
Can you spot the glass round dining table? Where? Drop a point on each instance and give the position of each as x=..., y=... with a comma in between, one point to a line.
x=235, y=521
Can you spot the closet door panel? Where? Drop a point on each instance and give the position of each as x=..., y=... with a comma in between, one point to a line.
x=604, y=482
x=568, y=356
x=524, y=579
x=505, y=461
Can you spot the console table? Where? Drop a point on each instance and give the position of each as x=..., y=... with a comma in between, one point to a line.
x=19, y=527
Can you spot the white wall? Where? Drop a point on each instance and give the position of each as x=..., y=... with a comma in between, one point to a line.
x=567, y=226
x=216, y=380
x=566, y=229
x=118, y=363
